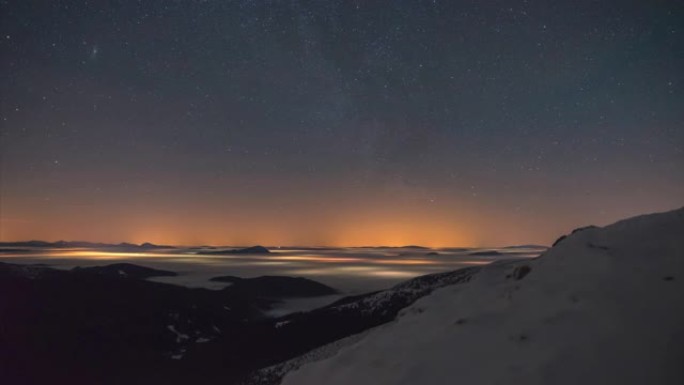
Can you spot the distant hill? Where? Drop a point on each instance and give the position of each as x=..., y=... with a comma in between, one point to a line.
x=82, y=244
x=28, y=244
x=247, y=250
x=125, y=270
x=484, y=253
x=526, y=247
x=276, y=286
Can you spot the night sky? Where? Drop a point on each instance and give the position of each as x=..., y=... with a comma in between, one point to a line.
x=442, y=123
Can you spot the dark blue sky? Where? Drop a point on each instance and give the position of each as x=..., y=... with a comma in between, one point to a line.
x=337, y=122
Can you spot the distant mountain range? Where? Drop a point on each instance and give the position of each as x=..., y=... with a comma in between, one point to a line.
x=81, y=244
x=526, y=247
x=247, y=250
x=217, y=250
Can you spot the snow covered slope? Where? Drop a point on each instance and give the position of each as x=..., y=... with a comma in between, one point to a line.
x=604, y=306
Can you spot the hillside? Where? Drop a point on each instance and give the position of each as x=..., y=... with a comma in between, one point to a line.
x=604, y=305
x=108, y=325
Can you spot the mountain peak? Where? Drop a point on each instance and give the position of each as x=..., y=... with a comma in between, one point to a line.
x=583, y=312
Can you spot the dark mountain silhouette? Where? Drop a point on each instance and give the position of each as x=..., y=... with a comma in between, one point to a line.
x=276, y=286
x=82, y=244
x=83, y=326
x=247, y=250
x=526, y=247
x=148, y=245
x=93, y=325
x=486, y=253
x=27, y=244
x=125, y=270
x=306, y=248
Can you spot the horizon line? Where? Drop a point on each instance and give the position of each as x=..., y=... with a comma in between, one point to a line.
x=123, y=243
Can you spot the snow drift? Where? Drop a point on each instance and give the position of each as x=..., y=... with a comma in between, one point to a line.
x=603, y=306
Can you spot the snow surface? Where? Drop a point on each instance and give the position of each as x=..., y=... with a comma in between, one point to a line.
x=180, y=337
x=604, y=306
x=179, y=355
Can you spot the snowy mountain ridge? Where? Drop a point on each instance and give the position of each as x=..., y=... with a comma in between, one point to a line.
x=604, y=305
x=407, y=291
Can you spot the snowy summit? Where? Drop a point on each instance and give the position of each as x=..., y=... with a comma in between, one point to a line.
x=603, y=306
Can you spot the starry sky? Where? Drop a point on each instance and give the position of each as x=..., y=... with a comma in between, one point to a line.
x=337, y=122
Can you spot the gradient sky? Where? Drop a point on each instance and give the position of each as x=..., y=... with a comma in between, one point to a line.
x=337, y=122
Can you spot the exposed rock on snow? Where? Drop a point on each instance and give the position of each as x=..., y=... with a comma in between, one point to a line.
x=180, y=337
x=605, y=305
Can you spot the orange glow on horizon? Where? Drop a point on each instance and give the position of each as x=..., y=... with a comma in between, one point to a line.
x=343, y=218
x=349, y=230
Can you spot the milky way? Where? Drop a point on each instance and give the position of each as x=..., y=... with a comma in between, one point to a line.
x=337, y=122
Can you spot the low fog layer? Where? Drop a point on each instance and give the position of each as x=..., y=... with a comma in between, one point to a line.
x=350, y=270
